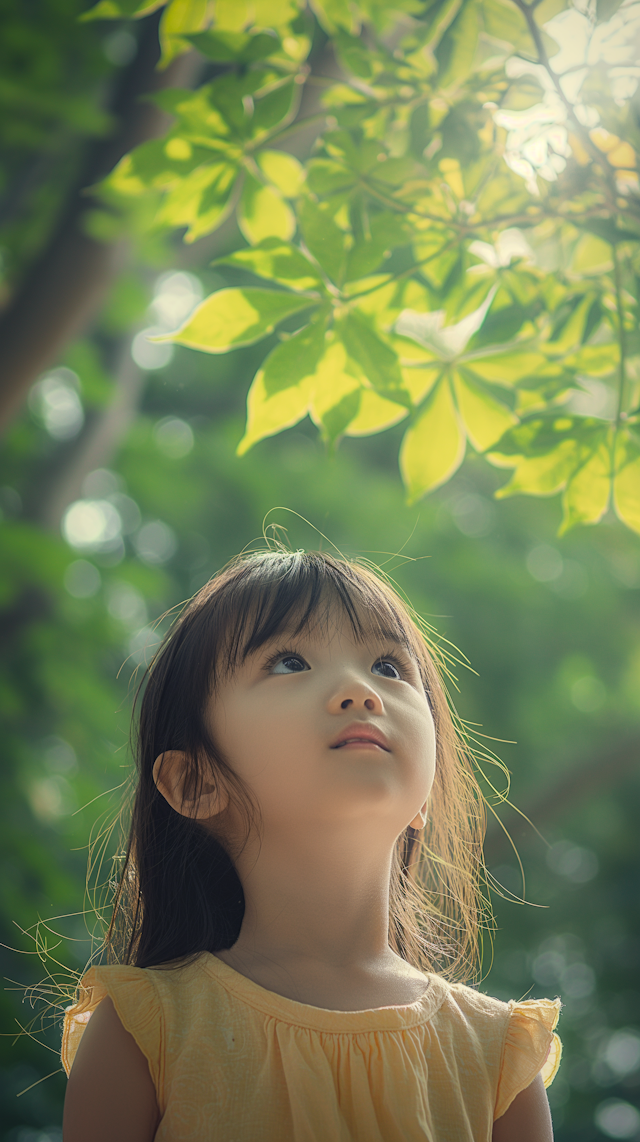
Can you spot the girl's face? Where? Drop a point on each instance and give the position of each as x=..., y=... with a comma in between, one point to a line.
x=326, y=730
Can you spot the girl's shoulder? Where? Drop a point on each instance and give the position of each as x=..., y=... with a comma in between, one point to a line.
x=514, y=1020
x=143, y=998
x=518, y=1035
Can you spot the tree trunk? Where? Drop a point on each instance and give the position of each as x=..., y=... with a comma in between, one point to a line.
x=66, y=285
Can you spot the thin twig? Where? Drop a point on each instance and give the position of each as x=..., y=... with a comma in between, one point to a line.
x=596, y=154
x=622, y=337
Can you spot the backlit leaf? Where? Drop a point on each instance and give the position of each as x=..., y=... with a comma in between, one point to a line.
x=278, y=261
x=541, y=475
x=180, y=16
x=199, y=201
x=336, y=391
x=571, y=333
x=433, y=447
x=429, y=330
x=116, y=9
x=586, y=496
x=325, y=176
x=277, y=107
x=377, y=360
x=234, y=47
x=485, y=419
x=262, y=213
x=594, y=360
x=591, y=256
x=375, y=413
x=323, y=238
x=281, y=391
x=626, y=488
x=230, y=318
x=386, y=233
x=284, y=171
x=460, y=43
x=506, y=368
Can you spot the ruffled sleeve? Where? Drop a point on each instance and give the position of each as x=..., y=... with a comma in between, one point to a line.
x=530, y=1047
x=134, y=997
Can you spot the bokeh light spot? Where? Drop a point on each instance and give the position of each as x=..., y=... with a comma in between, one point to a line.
x=81, y=579
x=174, y=437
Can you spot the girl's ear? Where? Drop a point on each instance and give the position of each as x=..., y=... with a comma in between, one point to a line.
x=171, y=773
x=420, y=818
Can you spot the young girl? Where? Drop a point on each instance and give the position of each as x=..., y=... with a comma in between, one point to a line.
x=301, y=881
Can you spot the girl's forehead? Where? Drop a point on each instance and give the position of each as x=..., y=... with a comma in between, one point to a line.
x=279, y=612
x=330, y=627
x=337, y=627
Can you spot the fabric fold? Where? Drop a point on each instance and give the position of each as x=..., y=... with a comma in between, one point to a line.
x=232, y=1060
x=531, y=1047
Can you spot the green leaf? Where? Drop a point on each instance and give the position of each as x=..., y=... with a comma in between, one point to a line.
x=277, y=261
x=262, y=213
x=541, y=433
x=546, y=451
x=592, y=256
x=116, y=9
x=234, y=47
x=201, y=201
x=326, y=177
x=178, y=19
x=336, y=393
x=429, y=330
x=572, y=331
x=281, y=390
x=377, y=360
x=439, y=17
x=626, y=487
x=586, y=496
x=506, y=368
x=594, y=360
x=459, y=47
x=540, y=475
x=334, y=14
x=485, y=419
x=375, y=413
x=433, y=447
x=323, y=238
x=284, y=171
x=386, y=232
x=276, y=108
x=504, y=22
x=230, y=318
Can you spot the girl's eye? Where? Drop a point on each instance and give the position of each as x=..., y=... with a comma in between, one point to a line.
x=386, y=668
x=287, y=664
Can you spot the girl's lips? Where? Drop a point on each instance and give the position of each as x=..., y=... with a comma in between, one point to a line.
x=359, y=737
x=360, y=743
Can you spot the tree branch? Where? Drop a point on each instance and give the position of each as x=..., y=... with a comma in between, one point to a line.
x=596, y=775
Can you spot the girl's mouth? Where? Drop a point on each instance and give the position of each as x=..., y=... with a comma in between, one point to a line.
x=361, y=737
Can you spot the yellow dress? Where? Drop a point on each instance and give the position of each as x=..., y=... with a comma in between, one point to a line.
x=232, y=1062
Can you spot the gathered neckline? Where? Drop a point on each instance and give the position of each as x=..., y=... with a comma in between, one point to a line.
x=287, y=1010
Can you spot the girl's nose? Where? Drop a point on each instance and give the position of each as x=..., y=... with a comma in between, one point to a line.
x=356, y=695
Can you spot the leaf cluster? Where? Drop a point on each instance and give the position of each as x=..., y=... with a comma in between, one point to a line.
x=425, y=270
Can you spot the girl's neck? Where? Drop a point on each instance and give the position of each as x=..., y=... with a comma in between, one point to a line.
x=316, y=928
x=394, y=984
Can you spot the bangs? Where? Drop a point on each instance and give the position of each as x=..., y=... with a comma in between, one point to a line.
x=274, y=593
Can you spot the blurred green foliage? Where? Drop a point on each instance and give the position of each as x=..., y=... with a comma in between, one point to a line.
x=549, y=624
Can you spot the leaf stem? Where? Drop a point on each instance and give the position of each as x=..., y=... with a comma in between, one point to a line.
x=622, y=338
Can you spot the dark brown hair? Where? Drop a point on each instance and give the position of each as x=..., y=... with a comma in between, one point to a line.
x=178, y=893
